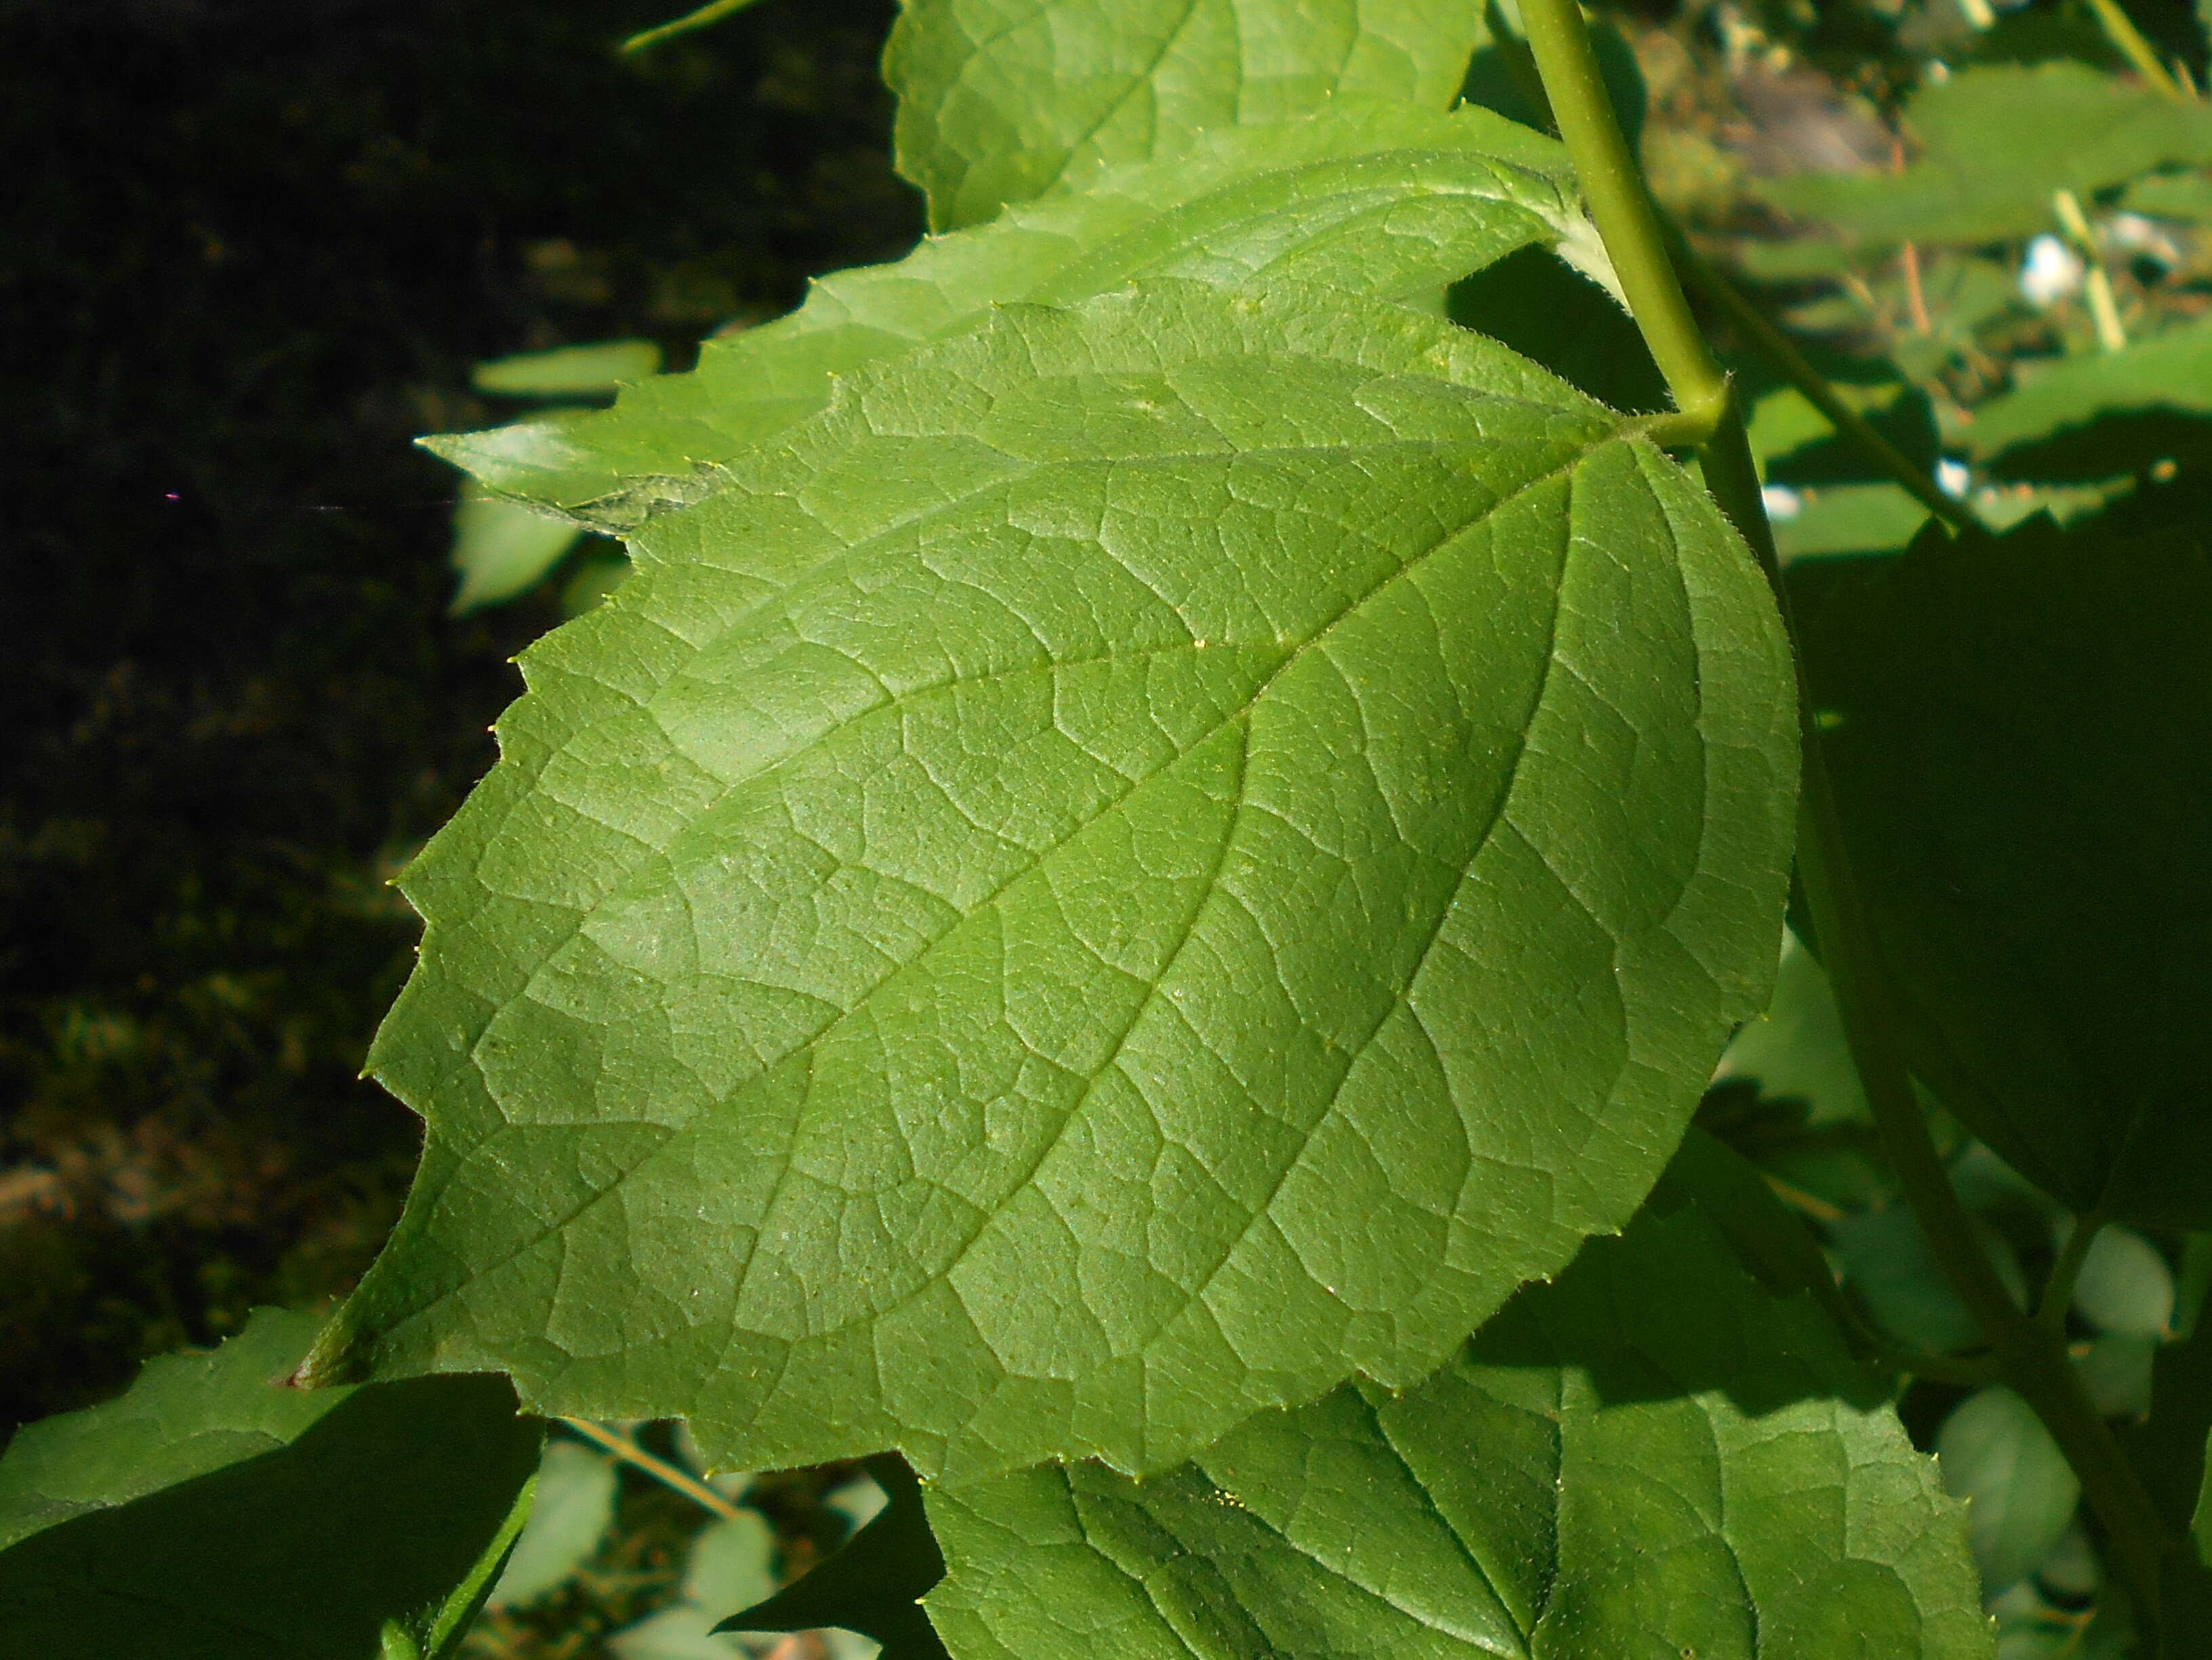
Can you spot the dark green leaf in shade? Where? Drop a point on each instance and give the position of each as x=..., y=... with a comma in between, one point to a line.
x=999, y=99
x=2022, y=747
x=1545, y=309
x=874, y=1584
x=1654, y=1456
x=1995, y=142
x=1383, y=199
x=1011, y=935
x=211, y=1513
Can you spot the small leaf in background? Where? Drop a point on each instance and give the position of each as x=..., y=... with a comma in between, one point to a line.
x=570, y=1512
x=2125, y=1286
x=1796, y=1047
x=859, y=1501
x=732, y=1565
x=2194, y=1281
x=212, y=1514
x=2019, y=1491
x=1891, y=1267
x=502, y=548
x=2058, y=405
x=1996, y=140
x=2116, y=1371
x=570, y=371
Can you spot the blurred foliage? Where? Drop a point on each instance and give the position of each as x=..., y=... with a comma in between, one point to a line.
x=251, y=248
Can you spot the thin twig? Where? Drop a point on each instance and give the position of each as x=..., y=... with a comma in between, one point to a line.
x=623, y=1447
x=2120, y=29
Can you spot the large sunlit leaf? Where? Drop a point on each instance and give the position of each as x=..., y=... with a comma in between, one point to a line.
x=211, y=1513
x=2023, y=750
x=1995, y=142
x=998, y=99
x=1654, y=1456
x=1155, y=856
x=1381, y=199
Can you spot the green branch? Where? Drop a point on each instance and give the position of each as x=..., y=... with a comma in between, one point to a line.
x=2033, y=1363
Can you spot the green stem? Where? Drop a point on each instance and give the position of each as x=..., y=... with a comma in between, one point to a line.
x=2066, y=1273
x=1778, y=349
x=2033, y=1363
x=2120, y=29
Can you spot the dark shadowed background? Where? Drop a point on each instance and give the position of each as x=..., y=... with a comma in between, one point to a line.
x=248, y=249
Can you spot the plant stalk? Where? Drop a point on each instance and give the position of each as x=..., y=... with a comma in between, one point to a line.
x=627, y=1449
x=2033, y=1363
x=1778, y=349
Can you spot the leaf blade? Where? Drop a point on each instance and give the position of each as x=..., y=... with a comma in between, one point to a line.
x=998, y=100
x=1233, y=767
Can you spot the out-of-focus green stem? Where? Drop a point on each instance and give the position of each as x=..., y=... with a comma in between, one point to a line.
x=2120, y=29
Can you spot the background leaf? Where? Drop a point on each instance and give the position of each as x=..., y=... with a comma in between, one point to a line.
x=2022, y=747
x=2018, y=1489
x=502, y=548
x=1000, y=99
x=569, y=371
x=573, y=1507
x=1995, y=141
x=210, y=1514
x=1653, y=1455
x=1081, y=1020
x=1383, y=199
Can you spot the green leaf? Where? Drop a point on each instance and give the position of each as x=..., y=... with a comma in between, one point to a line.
x=1842, y=519
x=730, y=1566
x=2124, y=1286
x=1653, y=1456
x=573, y=1507
x=1155, y=856
x=212, y=1514
x=2169, y=373
x=1386, y=200
x=873, y=1585
x=2019, y=1491
x=2171, y=196
x=570, y=371
x=1796, y=1048
x=999, y=99
x=1995, y=141
x=2022, y=746
x=502, y=548
x=1893, y=1270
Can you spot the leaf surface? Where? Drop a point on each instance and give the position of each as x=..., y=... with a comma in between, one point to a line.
x=999, y=99
x=1655, y=1456
x=2023, y=750
x=1381, y=199
x=1021, y=929
x=210, y=1514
